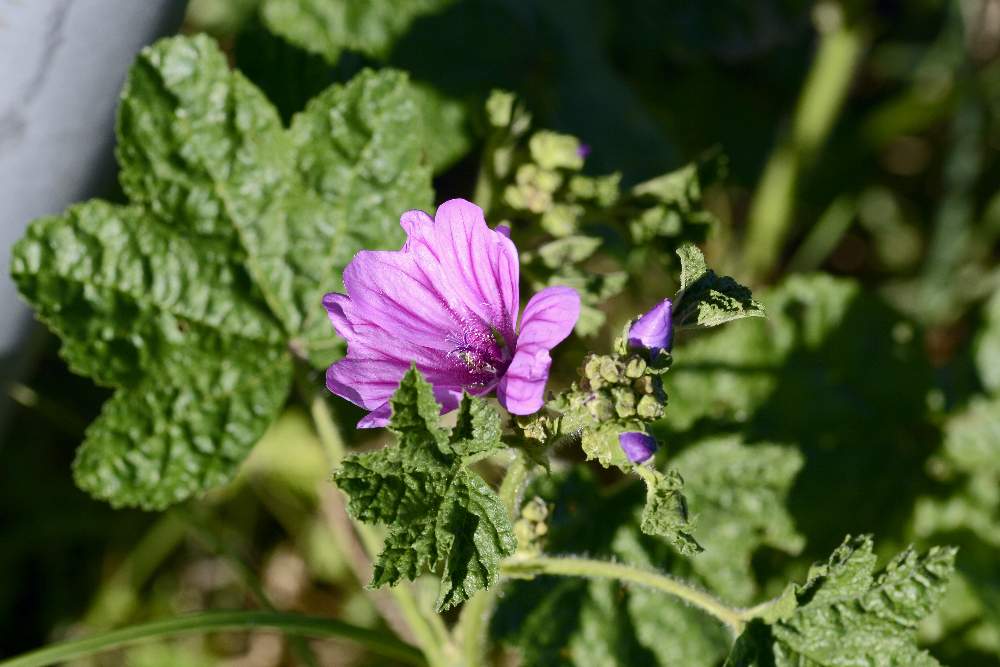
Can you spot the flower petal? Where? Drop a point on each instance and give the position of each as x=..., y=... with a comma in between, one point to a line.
x=549, y=317
x=447, y=397
x=522, y=389
x=638, y=447
x=653, y=330
x=476, y=264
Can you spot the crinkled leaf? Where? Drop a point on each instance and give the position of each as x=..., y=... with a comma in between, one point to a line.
x=738, y=494
x=188, y=299
x=185, y=429
x=848, y=615
x=706, y=299
x=665, y=513
x=439, y=514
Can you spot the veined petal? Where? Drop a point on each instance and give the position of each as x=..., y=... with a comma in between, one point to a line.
x=389, y=288
x=522, y=389
x=476, y=264
x=447, y=397
x=549, y=317
x=654, y=330
x=370, y=382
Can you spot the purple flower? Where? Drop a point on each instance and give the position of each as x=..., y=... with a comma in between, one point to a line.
x=583, y=150
x=653, y=330
x=447, y=302
x=638, y=447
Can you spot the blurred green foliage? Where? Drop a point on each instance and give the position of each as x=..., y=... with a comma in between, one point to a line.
x=866, y=402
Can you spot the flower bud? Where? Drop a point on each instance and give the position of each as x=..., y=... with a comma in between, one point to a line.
x=653, y=330
x=638, y=447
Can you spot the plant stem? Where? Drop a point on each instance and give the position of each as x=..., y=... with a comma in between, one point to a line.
x=214, y=621
x=428, y=629
x=471, y=628
x=734, y=619
x=840, y=48
x=513, y=482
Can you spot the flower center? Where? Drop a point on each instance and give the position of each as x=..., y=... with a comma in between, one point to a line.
x=483, y=355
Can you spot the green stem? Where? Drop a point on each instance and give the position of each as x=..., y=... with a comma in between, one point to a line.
x=471, y=627
x=215, y=621
x=840, y=48
x=734, y=619
x=428, y=629
x=513, y=482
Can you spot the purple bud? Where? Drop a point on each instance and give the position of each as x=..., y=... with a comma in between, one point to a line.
x=638, y=447
x=653, y=330
x=583, y=150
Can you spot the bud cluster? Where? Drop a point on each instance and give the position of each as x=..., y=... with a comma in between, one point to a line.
x=617, y=393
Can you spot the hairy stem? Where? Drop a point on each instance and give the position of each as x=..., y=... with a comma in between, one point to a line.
x=733, y=618
x=428, y=630
x=215, y=621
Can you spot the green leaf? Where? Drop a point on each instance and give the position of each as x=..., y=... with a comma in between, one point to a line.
x=188, y=299
x=665, y=513
x=738, y=494
x=564, y=621
x=848, y=615
x=439, y=514
x=706, y=299
x=805, y=377
x=329, y=27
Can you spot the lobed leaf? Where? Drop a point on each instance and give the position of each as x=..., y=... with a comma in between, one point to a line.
x=845, y=614
x=739, y=495
x=189, y=299
x=439, y=514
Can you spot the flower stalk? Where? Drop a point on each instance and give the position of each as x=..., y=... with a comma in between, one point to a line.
x=733, y=618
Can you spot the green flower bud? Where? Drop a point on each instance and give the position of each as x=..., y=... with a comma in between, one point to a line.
x=645, y=385
x=609, y=370
x=552, y=150
x=499, y=108
x=624, y=401
x=635, y=367
x=561, y=219
x=601, y=408
x=649, y=408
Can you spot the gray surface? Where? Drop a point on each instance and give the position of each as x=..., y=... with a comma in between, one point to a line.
x=62, y=64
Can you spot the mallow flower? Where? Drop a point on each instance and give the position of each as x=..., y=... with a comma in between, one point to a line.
x=638, y=447
x=653, y=330
x=447, y=302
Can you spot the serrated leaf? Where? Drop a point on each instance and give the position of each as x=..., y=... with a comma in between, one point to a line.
x=848, y=615
x=738, y=494
x=706, y=299
x=665, y=513
x=438, y=513
x=188, y=299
